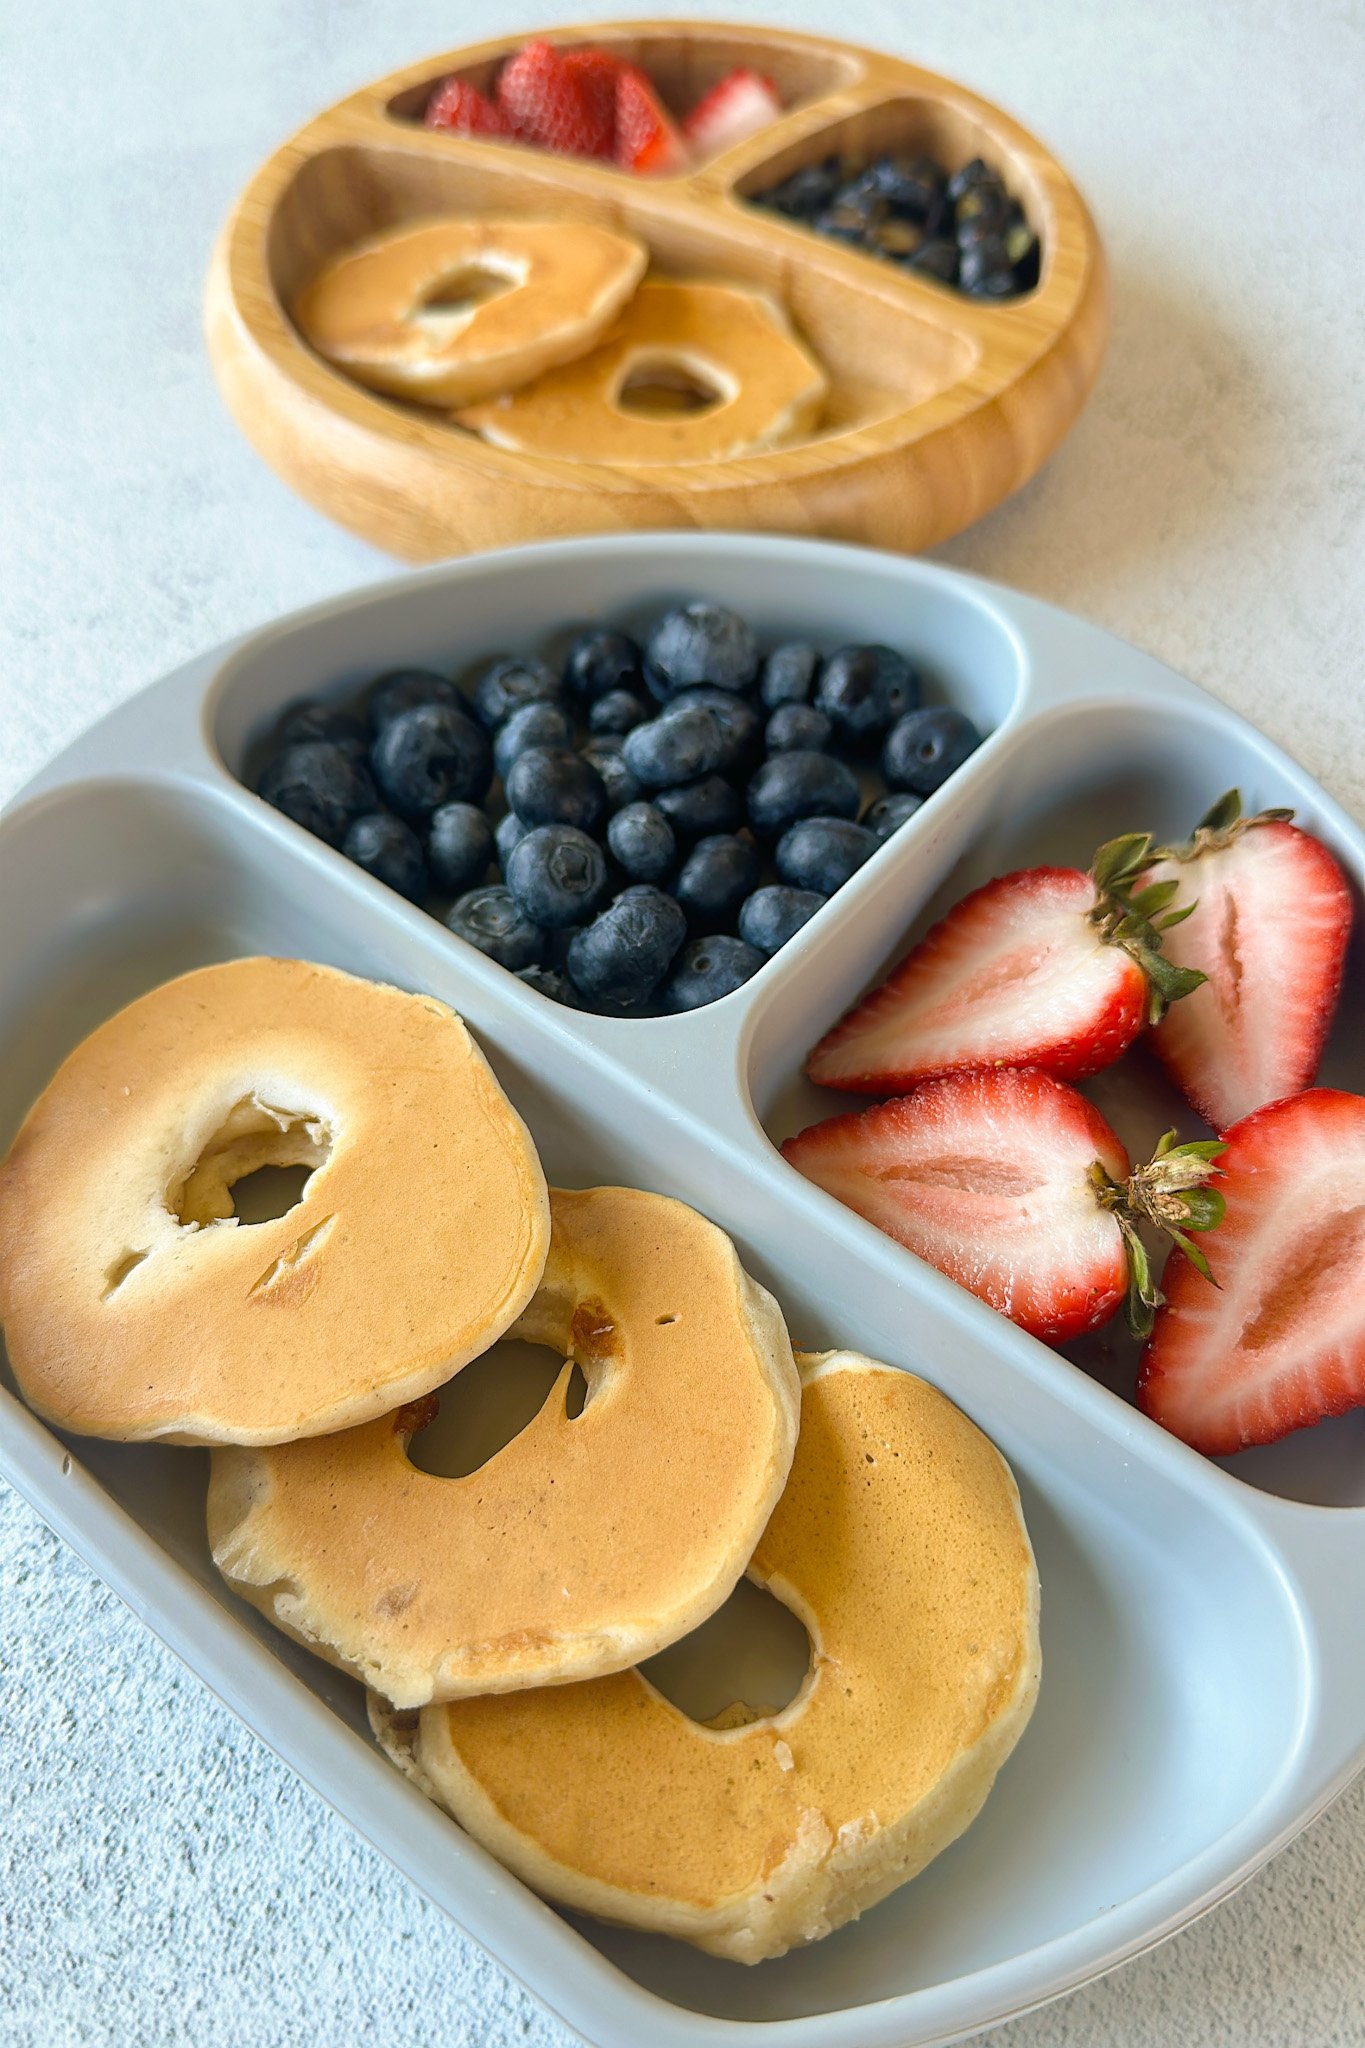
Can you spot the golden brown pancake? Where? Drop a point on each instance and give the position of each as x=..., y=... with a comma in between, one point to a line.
x=403, y=311
x=135, y=1304
x=736, y=342
x=900, y=1544
x=586, y=1543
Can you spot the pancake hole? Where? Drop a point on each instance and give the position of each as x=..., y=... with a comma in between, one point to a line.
x=254, y=1168
x=662, y=388
x=749, y=1660
x=664, y=1321
x=463, y=289
x=269, y=1192
x=576, y=1399
x=488, y=1404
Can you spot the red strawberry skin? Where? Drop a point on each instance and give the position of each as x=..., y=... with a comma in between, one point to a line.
x=986, y=1175
x=1269, y=929
x=464, y=110
x=1014, y=976
x=1280, y=1342
x=646, y=140
x=555, y=105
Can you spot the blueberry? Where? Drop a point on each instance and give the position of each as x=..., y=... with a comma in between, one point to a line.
x=711, y=805
x=558, y=876
x=530, y=725
x=459, y=847
x=678, y=747
x=915, y=188
x=888, y=813
x=789, y=675
x=403, y=689
x=716, y=877
x=508, y=684
x=800, y=785
x=641, y=840
x=864, y=690
x=619, y=711
x=821, y=853
x=923, y=750
x=315, y=721
x=550, y=786
x=775, y=914
x=805, y=192
x=985, y=269
x=320, y=786
x=548, y=981
x=700, y=643
x=977, y=172
x=491, y=919
x=797, y=725
x=508, y=833
x=709, y=969
x=740, y=722
x=625, y=952
x=390, y=851
x=604, y=755
x=599, y=662
x=936, y=258
x=429, y=756
x=985, y=207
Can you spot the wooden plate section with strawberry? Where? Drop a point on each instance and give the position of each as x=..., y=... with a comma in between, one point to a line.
x=938, y=404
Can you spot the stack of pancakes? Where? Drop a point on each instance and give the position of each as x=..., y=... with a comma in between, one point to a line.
x=497, y=1619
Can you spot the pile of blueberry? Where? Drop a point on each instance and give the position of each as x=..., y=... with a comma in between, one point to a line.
x=674, y=810
x=962, y=228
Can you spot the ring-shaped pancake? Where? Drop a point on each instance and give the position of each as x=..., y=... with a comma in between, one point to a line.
x=768, y=387
x=899, y=1542
x=584, y=1544
x=390, y=311
x=135, y=1304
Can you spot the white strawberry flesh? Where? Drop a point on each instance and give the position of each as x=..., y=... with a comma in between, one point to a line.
x=740, y=105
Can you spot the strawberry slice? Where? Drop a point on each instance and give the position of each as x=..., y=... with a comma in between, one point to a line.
x=1014, y=1185
x=1281, y=1343
x=646, y=140
x=1269, y=929
x=553, y=104
x=742, y=103
x=464, y=109
x=597, y=71
x=1046, y=967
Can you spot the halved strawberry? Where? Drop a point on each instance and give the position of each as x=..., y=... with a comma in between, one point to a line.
x=597, y=71
x=464, y=109
x=646, y=140
x=1269, y=928
x=738, y=106
x=1281, y=1342
x=554, y=104
x=1047, y=967
x=1015, y=1186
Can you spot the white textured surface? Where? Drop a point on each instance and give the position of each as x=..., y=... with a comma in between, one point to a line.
x=162, y=1879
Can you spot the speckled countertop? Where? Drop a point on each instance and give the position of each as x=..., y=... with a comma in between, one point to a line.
x=162, y=1878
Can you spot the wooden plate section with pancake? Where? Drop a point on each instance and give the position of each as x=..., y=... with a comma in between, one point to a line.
x=939, y=405
x=899, y=1541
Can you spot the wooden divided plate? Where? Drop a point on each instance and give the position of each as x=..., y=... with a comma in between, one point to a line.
x=939, y=404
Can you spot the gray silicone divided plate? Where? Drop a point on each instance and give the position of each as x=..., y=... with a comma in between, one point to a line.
x=1204, y=1678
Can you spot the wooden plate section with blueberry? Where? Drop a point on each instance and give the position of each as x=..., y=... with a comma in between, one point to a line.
x=652, y=275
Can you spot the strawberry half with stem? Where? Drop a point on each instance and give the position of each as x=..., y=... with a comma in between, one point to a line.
x=1014, y=1185
x=1281, y=1342
x=1269, y=929
x=1047, y=967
